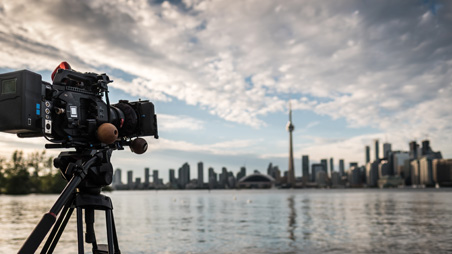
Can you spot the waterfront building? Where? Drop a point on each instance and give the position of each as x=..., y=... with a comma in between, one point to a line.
x=372, y=174
x=223, y=178
x=321, y=178
x=137, y=184
x=398, y=161
x=414, y=168
x=212, y=178
x=324, y=162
x=414, y=147
x=316, y=167
x=426, y=171
x=200, y=174
x=155, y=178
x=130, y=179
x=367, y=159
x=117, y=177
x=172, y=177
x=386, y=150
x=354, y=177
x=341, y=167
x=184, y=175
x=146, y=177
x=305, y=168
x=353, y=164
x=362, y=173
x=274, y=172
x=331, y=166
x=422, y=166
x=336, y=180
x=377, y=151
x=291, y=173
x=256, y=180
x=231, y=182
x=383, y=168
x=241, y=173
x=442, y=172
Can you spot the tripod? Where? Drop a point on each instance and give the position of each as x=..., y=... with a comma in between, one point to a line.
x=88, y=170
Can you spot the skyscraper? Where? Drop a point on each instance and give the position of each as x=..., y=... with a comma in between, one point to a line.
x=130, y=178
x=377, y=156
x=146, y=177
x=172, y=177
x=324, y=162
x=223, y=177
x=184, y=175
x=341, y=167
x=305, y=167
x=367, y=155
x=241, y=173
x=212, y=178
x=331, y=166
x=316, y=168
x=200, y=174
x=155, y=177
x=290, y=127
x=386, y=150
x=117, y=177
x=414, y=150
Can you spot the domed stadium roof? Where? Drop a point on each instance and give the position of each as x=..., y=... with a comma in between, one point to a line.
x=256, y=177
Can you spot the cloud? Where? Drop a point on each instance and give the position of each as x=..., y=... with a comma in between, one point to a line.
x=171, y=122
x=376, y=64
x=226, y=148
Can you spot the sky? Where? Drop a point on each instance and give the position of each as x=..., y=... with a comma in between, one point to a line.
x=221, y=74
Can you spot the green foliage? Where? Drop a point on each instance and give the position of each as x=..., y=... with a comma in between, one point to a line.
x=52, y=183
x=23, y=175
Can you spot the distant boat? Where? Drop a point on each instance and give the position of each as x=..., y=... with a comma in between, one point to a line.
x=437, y=186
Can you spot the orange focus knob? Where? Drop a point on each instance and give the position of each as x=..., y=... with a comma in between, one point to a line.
x=107, y=133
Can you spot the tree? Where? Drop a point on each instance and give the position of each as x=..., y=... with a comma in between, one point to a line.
x=17, y=176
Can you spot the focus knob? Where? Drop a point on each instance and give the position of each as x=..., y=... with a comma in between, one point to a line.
x=139, y=146
x=107, y=133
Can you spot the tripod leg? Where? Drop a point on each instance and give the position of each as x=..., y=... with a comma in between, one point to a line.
x=58, y=229
x=81, y=248
x=90, y=236
x=34, y=240
x=115, y=236
x=108, y=216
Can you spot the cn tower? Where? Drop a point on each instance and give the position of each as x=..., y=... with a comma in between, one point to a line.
x=290, y=128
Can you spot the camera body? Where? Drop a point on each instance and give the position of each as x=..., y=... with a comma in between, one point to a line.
x=70, y=110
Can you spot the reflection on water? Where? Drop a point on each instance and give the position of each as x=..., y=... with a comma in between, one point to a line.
x=270, y=221
x=292, y=218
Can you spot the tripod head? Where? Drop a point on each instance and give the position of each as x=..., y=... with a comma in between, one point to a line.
x=94, y=176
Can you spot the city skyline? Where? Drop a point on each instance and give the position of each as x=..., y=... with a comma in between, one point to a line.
x=221, y=74
x=328, y=165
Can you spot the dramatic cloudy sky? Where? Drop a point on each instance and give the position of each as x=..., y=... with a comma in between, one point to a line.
x=221, y=73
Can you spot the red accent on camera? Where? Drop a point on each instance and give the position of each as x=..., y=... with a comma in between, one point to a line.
x=63, y=65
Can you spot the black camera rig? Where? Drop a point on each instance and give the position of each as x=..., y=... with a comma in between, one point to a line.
x=70, y=113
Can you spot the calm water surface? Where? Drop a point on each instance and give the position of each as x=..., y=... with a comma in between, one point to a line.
x=254, y=221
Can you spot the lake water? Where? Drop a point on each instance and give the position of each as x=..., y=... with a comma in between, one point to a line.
x=254, y=221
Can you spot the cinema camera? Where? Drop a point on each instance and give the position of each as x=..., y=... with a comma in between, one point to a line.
x=70, y=113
